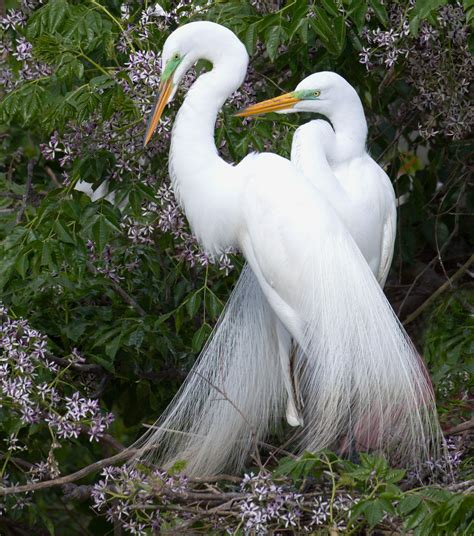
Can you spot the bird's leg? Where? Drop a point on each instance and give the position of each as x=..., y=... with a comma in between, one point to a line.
x=293, y=416
x=295, y=379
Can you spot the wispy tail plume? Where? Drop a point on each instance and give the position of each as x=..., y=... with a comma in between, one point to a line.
x=233, y=395
x=363, y=382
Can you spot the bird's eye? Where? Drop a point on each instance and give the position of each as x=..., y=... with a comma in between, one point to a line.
x=317, y=93
x=176, y=56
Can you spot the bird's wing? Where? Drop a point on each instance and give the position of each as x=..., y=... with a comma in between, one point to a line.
x=389, y=233
x=360, y=377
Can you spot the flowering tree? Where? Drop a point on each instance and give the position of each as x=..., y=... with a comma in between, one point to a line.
x=105, y=302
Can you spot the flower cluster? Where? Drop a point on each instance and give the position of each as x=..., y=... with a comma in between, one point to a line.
x=441, y=81
x=34, y=388
x=445, y=469
x=14, y=46
x=269, y=505
x=125, y=495
x=141, y=501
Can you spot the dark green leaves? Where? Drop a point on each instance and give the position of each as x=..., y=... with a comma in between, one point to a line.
x=49, y=19
x=273, y=37
x=331, y=31
x=27, y=103
x=421, y=11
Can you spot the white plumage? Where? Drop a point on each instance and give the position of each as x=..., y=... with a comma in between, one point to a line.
x=360, y=379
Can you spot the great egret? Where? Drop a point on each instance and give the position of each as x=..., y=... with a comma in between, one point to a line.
x=334, y=157
x=356, y=366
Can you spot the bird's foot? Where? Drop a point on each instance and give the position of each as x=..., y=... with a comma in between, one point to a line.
x=293, y=416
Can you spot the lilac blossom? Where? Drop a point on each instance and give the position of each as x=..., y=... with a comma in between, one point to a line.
x=12, y=20
x=441, y=82
x=32, y=391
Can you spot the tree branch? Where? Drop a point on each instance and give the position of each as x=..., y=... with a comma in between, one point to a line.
x=460, y=428
x=121, y=292
x=60, y=481
x=448, y=284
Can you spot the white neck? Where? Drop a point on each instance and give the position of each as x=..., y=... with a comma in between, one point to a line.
x=203, y=182
x=350, y=127
x=312, y=146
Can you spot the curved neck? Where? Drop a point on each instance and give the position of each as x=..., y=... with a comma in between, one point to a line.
x=200, y=177
x=312, y=146
x=350, y=126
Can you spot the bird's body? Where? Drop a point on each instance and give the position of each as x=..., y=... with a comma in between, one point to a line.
x=358, y=188
x=333, y=156
x=355, y=365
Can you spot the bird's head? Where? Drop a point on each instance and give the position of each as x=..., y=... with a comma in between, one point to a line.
x=183, y=48
x=319, y=93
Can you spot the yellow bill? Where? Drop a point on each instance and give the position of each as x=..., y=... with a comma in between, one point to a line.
x=166, y=87
x=283, y=102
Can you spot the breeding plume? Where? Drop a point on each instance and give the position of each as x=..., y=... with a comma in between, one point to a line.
x=359, y=378
x=334, y=158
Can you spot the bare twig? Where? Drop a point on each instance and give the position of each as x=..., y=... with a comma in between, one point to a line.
x=461, y=485
x=60, y=481
x=439, y=291
x=80, y=367
x=431, y=264
x=460, y=428
x=29, y=179
x=121, y=292
x=456, y=224
x=53, y=177
x=11, y=195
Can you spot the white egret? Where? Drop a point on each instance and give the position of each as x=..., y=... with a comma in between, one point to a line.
x=356, y=366
x=334, y=157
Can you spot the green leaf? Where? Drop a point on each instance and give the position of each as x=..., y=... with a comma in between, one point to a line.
x=250, y=38
x=340, y=32
x=46, y=259
x=330, y=31
x=31, y=101
x=408, y=504
x=356, y=12
x=213, y=305
x=303, y=30
x=100, y=232
x=416, y=517
x=63, y=233
x=21, y=264
x=111, y=351
x=394, y=475
x=272, y=41
x=193, y=304
x=136, y=338
x=200, y=337
x=48, y=19
x=374, y=512
x=74, y=331
x=330, y=6
x=380, y=11
x=421, y=11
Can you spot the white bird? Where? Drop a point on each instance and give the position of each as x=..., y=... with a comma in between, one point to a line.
x=335, y=159
x=333, y=156
x=360, y=377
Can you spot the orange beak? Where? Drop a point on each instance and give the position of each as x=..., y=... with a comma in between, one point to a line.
x=283, y=102
x=165, y=91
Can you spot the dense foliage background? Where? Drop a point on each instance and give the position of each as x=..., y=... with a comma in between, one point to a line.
x=106, y=303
